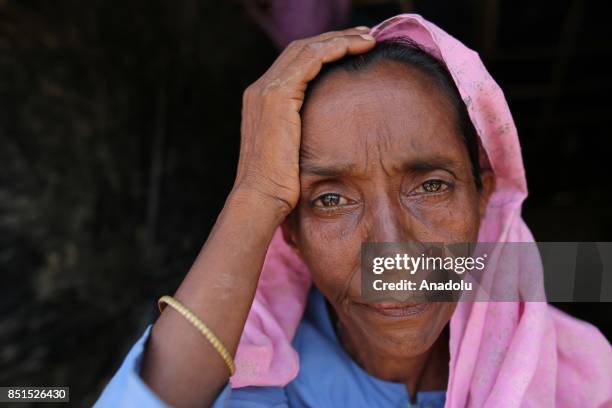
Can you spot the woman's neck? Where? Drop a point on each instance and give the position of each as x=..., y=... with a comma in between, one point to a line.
x=424, y=372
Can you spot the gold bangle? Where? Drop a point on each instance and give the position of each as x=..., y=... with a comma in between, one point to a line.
x=193, y=319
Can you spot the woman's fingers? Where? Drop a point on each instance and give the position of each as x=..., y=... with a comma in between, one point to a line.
x=348, y=31
x=293, y=49
x=297, y=45
x=313, y=55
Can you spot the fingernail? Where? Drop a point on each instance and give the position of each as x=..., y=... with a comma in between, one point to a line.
x=367, y=37
x=362, y=28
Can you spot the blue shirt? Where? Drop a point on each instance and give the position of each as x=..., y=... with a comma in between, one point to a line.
x=328, y=377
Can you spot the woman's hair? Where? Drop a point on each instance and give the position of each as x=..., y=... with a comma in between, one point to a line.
x=408, y=52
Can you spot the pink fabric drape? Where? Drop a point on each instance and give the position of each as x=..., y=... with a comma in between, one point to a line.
x=503, y=354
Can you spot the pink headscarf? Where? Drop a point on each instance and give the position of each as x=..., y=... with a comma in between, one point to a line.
x=503, y=354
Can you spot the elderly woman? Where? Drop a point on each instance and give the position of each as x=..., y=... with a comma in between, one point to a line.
x=393, y=134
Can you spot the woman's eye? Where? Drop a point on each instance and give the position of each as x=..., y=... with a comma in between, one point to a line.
x=330, y=200
x=431, y=186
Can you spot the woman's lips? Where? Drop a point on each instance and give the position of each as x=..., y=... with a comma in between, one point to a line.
x=396, y=309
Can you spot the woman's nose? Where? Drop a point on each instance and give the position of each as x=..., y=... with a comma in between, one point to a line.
x=388, y=223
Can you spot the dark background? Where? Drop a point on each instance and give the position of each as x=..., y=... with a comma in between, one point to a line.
x=119, y=137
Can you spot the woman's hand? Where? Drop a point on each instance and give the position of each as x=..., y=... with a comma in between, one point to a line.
x=271, y=125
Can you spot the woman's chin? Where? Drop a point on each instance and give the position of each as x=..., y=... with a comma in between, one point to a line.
x=403, y=329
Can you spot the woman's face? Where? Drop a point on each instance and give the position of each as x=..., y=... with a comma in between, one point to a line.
x=382, y=160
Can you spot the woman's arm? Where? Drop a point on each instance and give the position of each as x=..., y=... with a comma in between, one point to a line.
x=179, y=364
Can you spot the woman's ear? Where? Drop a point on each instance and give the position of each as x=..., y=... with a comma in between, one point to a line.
x=488, y=186
x=288, y=227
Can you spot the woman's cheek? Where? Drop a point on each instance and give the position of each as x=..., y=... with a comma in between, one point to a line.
x=328, y=230
x=331, y=250
x=451, y=220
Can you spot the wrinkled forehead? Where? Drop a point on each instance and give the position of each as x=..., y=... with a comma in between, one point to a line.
x=391, y=109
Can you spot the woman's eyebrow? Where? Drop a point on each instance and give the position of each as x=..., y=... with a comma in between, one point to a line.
x=327, y=171
x=424, y=165
x=420, y=165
